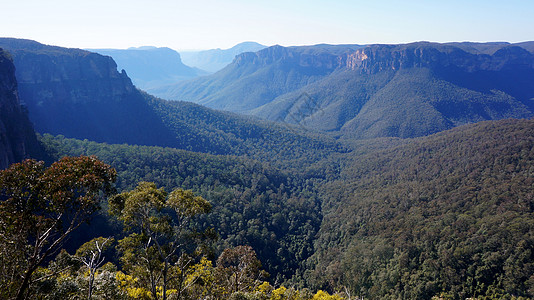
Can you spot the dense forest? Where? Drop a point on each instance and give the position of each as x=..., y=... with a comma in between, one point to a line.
x=154, y=243
x=448, y=215
x=253, y=204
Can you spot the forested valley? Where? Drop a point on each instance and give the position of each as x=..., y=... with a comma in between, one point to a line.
x=396, y=218
x=172, y=200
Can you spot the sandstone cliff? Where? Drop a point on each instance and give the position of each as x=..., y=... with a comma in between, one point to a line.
x=378, y=58
x=16, y=134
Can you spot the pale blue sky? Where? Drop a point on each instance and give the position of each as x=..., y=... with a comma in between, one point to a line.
x=206, y=24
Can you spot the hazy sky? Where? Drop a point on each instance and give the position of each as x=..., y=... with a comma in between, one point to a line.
x=206, y=24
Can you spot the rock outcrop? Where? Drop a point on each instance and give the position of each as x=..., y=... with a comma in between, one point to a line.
x=318, y=59
x=16, y=133
x=378, y=58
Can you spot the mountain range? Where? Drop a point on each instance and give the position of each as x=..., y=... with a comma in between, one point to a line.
x=370, y=91
x=152, y=69
x=80, y=94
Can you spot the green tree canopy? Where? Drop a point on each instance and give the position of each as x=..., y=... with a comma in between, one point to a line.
x=239, y=270
x=39, y=208
x=160, y=233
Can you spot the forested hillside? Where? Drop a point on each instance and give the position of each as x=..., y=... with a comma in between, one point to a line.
x=201, y=129
x=450, y=214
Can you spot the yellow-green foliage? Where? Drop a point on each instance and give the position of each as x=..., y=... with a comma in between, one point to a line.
x=200, y=280
x=128, y=284
x=279, y=294
x=267, y=292
x=322, y=295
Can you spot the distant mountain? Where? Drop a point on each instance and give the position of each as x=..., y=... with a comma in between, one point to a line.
x=215, y=59
x=377, y=90
x=151, y=67
x=17, y=139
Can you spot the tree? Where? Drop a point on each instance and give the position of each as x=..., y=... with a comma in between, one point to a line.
x=322, y=295
x=200, y=282
x=239, y=270
x=160, y=233
x=91, y=256
x=40, y=207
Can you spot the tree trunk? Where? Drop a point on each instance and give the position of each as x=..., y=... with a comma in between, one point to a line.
x=91, y=280
x=25, y=283
x=165, y=270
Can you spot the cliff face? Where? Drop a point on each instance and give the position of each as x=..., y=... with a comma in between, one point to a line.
x=16, y=134
x=378, y=58
x=72, y=78
x=81, y=94
x=319, y=59
x=373, y=59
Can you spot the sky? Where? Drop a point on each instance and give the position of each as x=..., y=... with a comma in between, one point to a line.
x=209, y=24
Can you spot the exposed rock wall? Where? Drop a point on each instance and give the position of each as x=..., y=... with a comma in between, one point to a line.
x=16, y=134
x=296, y=56
x=378, y=58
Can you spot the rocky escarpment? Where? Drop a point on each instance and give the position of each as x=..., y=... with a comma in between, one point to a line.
x=16, y=134
x=81, y=94
x=318, y=58
x=56, y=75
x=378, y=58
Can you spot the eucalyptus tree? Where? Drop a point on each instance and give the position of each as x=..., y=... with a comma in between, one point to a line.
x=160, y=235
x=39, y=208
x=239, y=270
x=91, y=255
